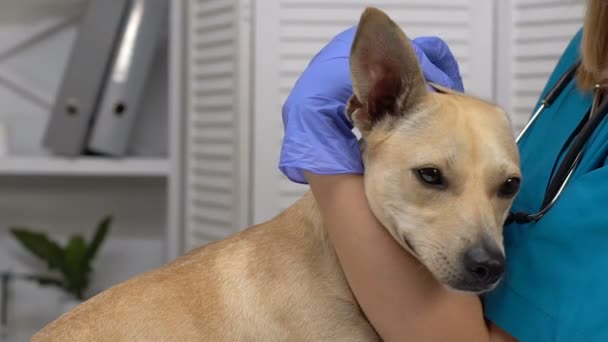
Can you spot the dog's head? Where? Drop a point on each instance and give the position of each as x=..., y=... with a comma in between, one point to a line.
x=442, y=168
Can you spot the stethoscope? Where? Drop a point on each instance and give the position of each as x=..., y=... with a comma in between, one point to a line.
x=579, y=137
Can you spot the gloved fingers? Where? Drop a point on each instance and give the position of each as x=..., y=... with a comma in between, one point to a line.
x=317, y=141
x=441, y=62
x=431, y=72
x=326, y=79
x=439, y=53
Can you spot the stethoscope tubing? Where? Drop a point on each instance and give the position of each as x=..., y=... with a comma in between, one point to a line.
x=551, y=96
x=545, y=103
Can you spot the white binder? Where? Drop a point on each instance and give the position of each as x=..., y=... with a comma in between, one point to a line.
x=127, y=79
x=77, y=99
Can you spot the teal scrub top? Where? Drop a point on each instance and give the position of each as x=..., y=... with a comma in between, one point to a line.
x=556, y=282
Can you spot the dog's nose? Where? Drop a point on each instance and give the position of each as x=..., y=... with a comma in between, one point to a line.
x=485, y=263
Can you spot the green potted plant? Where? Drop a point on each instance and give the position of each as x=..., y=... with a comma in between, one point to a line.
x=71, y=264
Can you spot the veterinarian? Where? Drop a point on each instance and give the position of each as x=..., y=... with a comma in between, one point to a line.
x=555, y=283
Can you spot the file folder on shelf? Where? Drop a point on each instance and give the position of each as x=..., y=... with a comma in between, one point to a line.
x=70, y=120
x=127, y=79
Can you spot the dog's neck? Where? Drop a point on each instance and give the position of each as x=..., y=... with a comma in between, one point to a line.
x=306, y=211
x=303, y=218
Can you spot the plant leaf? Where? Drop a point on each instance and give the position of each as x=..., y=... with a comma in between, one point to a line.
x=98, y=238
x=76, y=266
x=41, y=246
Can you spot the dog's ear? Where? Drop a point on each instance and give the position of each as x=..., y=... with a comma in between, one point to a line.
x=386, y=76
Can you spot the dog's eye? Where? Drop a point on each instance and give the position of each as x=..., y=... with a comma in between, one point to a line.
x=430, y=176
x=509, y=187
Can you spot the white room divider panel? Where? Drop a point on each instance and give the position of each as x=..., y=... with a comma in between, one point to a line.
x=217, y=146
x=239, y=72
x=290, y=32
x=532, y=36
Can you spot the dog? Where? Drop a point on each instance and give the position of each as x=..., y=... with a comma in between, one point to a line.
x=442, y=169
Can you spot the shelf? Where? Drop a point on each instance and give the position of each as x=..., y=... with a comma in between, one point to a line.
x=83, y=166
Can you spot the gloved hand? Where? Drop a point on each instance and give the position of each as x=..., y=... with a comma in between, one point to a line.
x=318, y=135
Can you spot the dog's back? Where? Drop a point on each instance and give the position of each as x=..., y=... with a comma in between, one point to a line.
x=277, y=281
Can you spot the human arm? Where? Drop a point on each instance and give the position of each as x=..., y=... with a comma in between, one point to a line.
x=398, y=295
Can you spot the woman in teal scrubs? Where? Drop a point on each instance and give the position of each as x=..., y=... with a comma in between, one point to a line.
x=556, y=281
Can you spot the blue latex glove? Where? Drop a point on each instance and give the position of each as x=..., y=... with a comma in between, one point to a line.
x=318, y=135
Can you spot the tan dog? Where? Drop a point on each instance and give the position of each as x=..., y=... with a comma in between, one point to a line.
x=441, y=171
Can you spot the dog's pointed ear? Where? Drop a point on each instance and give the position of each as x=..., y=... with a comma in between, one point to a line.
x=386, y=76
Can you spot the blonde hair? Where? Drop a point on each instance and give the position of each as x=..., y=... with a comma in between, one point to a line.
x=594, y=46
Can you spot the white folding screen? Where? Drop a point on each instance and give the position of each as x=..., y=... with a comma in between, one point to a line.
x=217, y=119
x=532, y=35
x=290, y=32
x=242, y=58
